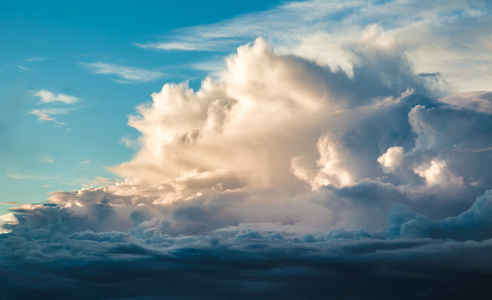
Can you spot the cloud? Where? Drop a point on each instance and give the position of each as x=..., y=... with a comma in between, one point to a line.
x=327, y=150
x=24, y=68
x=283, y=177
x=100, y=181
x=472, y=224
x=231, y=262
x=45, y=158
x=8, y=219
x=129, y=74
x=476, y=101
x=30, y=59
x=447, y=37
x=392, y=159
x=49, y=97
x=28, y=176
x=49, y=114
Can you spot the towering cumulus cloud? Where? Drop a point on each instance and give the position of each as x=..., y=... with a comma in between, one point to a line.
x=280, y=178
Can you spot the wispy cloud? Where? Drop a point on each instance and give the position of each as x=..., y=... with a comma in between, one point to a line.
x=100, y=181
x=48, y=114
x=30, y=177
x=24, y=68
x=193, y=44
x=49, y=97
x=30, y=59
x=324, y=30
x=129, y=74
x=45, y=158
x=10, y=203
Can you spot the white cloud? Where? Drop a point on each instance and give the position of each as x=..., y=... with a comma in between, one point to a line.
x=8, y=219
x=278, y=138
x=24, y=68
x=479, y=101
x=30, y=177
x=129, y=74
x=100, y=181
x=331, y=169
x=31, y=59
x=449, y=37
x=49, y=97
x=392, y=159
x=49, y=114
x=437, y=173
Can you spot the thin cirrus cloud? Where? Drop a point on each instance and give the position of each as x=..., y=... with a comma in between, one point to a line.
x=24, y=68
x=31, y=59
x=49, y=98
x=128, y=74
x=325, y=30
x=49, y=114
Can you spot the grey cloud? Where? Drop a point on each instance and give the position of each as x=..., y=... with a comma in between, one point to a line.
x=472, y=224
x=476, y=101
x=249, y=264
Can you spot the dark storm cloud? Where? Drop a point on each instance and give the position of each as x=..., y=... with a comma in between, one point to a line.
x=244, y=265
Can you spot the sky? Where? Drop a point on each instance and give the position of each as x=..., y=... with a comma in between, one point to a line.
x=259, y=149
x=86, y=50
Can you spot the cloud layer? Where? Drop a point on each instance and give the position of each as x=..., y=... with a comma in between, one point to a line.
x=128, y=74
x=281, y=178
x=50, y=98
x=443, y=39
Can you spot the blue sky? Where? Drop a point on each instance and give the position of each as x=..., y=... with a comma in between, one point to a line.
x=252, y=150
x=49, y=45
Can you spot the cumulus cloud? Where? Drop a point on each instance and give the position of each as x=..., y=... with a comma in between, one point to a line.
x=281, y=127
x=128, y=74
x=244, y=130
x=392, y=159
x=281, y=178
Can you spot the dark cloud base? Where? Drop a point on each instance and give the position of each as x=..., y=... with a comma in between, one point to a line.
x=247, y=266
x=255, y=285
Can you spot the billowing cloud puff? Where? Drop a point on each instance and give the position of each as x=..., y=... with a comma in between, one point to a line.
x=280, y=178
x=392, y=159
